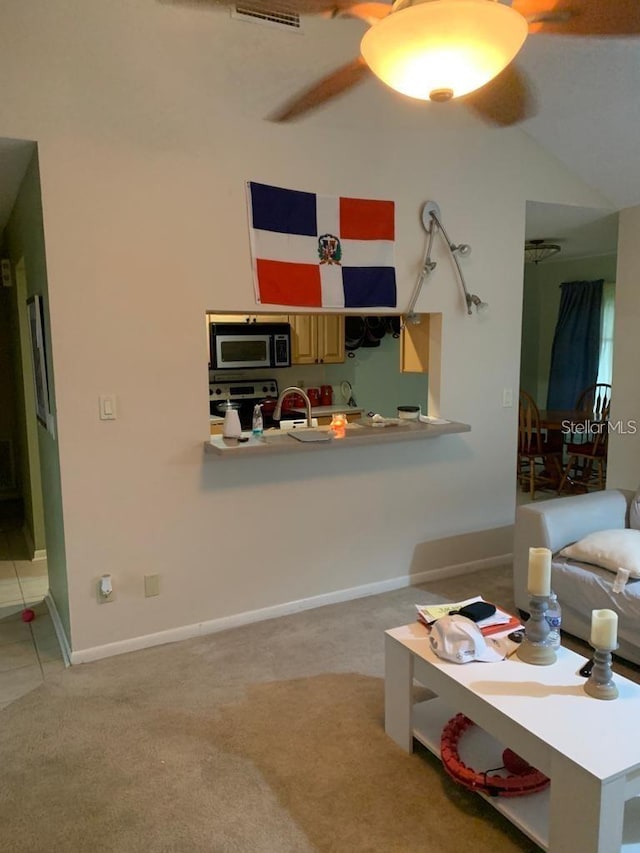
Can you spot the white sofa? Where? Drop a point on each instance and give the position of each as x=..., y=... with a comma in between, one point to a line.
x=580, y=587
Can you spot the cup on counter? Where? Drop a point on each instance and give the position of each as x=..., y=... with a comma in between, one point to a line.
x=338, y=425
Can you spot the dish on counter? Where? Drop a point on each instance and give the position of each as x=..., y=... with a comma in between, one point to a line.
x=429, y=419
x=409, y=413
x=379, y=421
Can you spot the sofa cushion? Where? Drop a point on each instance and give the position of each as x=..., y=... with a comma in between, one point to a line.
x=609, y=549
x=634, y=511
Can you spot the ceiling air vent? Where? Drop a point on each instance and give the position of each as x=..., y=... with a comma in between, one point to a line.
x=279, y=13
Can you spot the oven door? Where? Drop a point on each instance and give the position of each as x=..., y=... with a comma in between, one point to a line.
x=240, y=351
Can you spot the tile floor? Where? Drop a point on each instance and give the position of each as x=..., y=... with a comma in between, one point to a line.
x=29, y=651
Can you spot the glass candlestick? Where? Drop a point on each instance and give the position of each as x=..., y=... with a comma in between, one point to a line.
x=535, y=648
x=600, y=683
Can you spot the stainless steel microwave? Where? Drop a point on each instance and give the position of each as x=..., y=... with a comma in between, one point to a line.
x=236, y=346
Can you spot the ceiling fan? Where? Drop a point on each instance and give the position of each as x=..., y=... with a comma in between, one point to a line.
x=439, y=50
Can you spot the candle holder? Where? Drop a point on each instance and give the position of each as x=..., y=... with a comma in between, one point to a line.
x=534, y=648
x=600, y=683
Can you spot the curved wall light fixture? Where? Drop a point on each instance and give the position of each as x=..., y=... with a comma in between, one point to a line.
x=432, y=223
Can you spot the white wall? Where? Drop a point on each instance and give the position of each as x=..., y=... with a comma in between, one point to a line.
x=623, y=458
x=149, y=119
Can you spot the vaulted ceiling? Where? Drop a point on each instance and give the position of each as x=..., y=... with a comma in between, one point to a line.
x=587, y=90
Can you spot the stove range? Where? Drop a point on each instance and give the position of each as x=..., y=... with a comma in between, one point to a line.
x=245, y=393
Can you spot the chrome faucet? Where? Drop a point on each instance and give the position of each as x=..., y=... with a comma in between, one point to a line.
x=293, y=389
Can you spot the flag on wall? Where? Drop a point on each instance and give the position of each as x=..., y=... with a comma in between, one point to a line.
x=320, y=251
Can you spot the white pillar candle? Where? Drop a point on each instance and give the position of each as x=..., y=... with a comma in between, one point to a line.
x=539, y=580
x=604, y=629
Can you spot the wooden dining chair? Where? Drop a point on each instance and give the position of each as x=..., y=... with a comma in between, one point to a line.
x=595, y=400
x=587, y=464
x=587, y=454
x=539, y=465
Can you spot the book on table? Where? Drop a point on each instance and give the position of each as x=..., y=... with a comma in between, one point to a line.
x=501, y=622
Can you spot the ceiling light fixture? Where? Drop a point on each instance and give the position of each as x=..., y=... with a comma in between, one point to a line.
x=441, y=49
x=539, y=250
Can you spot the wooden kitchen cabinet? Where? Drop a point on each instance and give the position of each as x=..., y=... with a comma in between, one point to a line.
x=317, y=338
x=228, y=318
x=269, y=318
x=414, y=346
x=248, y=318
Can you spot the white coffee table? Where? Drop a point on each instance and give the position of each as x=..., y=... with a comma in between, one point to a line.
x=589, y=748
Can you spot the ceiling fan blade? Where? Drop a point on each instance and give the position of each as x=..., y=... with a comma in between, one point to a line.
x=506, y=100
x=581, y=17
x=324, y=90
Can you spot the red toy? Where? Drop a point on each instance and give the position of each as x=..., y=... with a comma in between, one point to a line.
x=522, y=778
x=28, y=615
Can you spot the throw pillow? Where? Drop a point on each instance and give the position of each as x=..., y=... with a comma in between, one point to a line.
x=609, y=549
x=634, y=511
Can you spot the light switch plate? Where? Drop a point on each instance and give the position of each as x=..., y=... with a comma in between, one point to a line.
x=108, y=409
x=507, y=398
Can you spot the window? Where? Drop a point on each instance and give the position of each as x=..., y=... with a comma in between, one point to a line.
x=605, y=362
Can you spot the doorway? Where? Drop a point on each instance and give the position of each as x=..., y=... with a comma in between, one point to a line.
x=33, y=526
x=587, y=238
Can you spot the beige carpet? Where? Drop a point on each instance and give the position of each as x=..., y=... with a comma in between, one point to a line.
x=266, y=738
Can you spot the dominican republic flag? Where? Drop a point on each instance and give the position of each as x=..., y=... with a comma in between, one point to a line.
x=321, y=252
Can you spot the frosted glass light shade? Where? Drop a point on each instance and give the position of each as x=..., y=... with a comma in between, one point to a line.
x=442, y=49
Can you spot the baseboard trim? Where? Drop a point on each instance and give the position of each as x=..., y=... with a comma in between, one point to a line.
x=214, y=626
x=460, y=569
x=65, y=648
x=37, y=554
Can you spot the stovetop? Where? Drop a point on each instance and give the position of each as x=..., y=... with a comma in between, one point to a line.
x=243, y=389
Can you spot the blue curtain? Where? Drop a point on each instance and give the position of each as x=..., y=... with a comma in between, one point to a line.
x=576, y=343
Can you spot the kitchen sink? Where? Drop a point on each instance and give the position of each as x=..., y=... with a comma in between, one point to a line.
x=303, y=433
x=311, y=435
x=298, y=423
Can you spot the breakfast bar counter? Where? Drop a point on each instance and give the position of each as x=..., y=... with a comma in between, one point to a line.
x=359, y=434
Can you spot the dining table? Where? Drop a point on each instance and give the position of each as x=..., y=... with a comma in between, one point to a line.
x=557, y=424
x=559, y=419
x=567, y=421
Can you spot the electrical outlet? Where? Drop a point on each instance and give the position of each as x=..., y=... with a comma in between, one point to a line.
x=507, y=398
x=105, y=589
x=151, y=585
